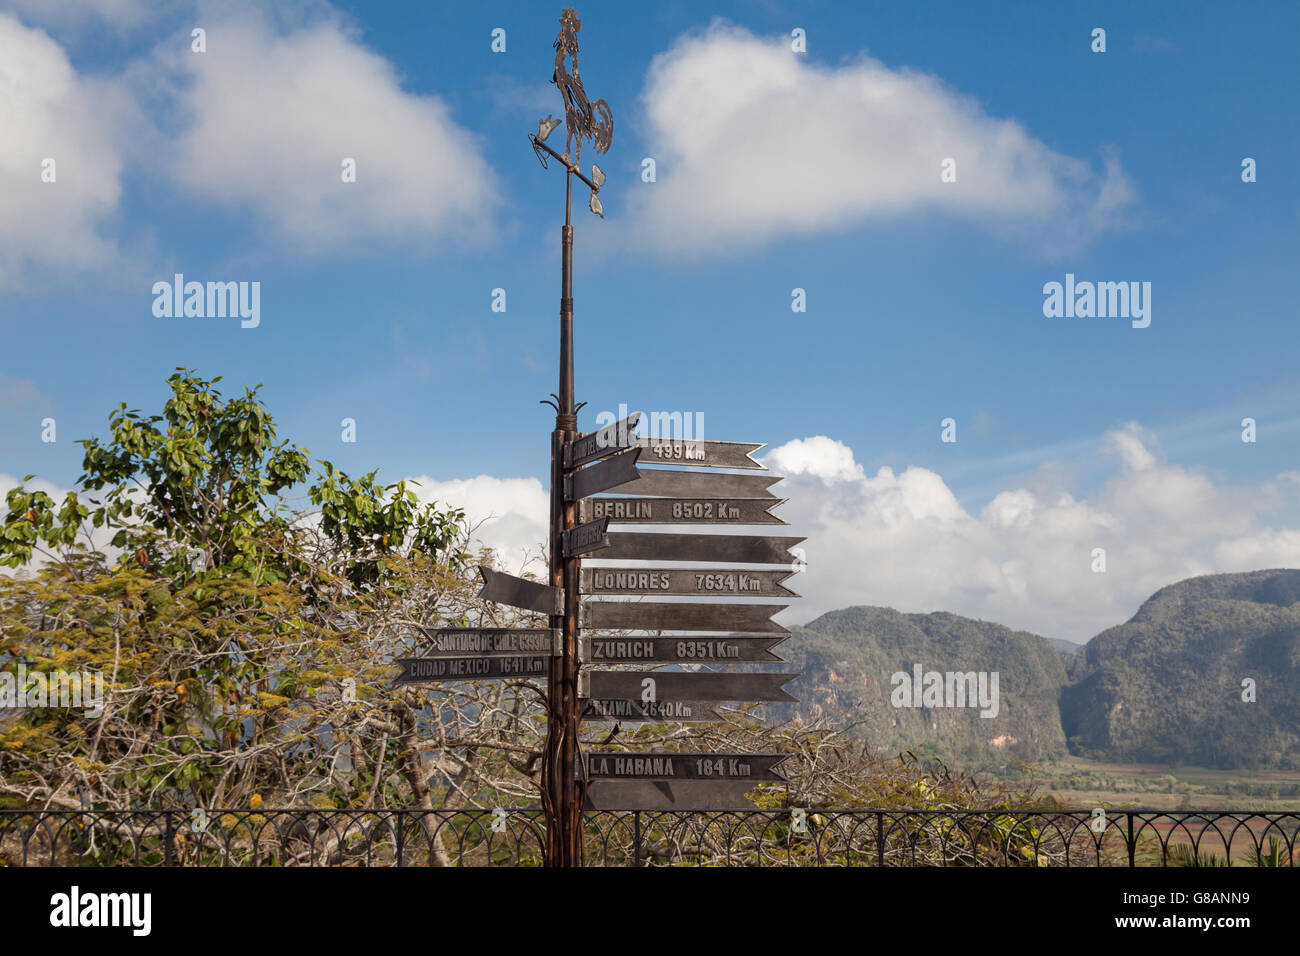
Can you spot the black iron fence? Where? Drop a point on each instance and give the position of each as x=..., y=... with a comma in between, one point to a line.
x=514, y=837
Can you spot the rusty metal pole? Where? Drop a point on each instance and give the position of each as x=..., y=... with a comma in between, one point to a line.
x=564, y=817
x=563, y=793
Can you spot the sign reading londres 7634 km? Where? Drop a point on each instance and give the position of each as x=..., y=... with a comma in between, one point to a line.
x=722, y=582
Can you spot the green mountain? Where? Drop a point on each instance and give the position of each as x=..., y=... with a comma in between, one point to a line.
x=847, y=661
x=1167, y=686
x=1164, y=687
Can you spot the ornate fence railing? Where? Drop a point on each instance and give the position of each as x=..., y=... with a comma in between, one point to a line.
x=514, y=837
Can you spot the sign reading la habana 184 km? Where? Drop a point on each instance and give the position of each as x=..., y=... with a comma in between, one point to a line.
x=685, y=766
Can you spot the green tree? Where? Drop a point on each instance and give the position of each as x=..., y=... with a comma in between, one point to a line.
x=246, y=644
x=198, y=492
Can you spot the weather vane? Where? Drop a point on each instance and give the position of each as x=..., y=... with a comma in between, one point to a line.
x=583, y=119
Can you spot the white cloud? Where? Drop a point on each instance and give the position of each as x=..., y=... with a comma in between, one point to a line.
x=51, y=112
x=58, y=13
x=268, y=116
x=511, y=513
x=904, y=541
x=819, y=456
x=1131, y=443
x=752, y=142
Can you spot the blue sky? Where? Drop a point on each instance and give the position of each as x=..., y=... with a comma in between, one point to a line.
x=921, y=304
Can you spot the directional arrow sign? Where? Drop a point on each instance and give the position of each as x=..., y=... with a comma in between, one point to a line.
x=610, y=473
x=615, y=766
x=682, y=510
x=661, y=616
x=668, y=795
x=491, y=641
x=677, y=650
x=600, y=443
x=706, y=686
x=417, y=670
x=738, y=548
x=720, y=583
x=704, y=454
x=638, y=711
x=586, y=537
x=665, y=483
x=518, y=592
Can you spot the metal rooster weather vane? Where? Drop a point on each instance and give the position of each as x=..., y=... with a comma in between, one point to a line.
x=583, y=119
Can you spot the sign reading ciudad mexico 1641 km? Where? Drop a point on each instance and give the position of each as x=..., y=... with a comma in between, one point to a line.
x=597, y=480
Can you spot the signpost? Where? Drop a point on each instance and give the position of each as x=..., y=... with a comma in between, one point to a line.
x=662, y=483
x=520, y=592
x=678, y=650
x=656, y=616
x=598, y=444
x=731, y=548
x=696, y=582
x=416, y=670
x=611, y=460
x=492, y=641
x=625, y=711
x=681, y=510
x=583, y=538
x=700, y=454
x=610, y=473
x=678, y=766
x=706, y=686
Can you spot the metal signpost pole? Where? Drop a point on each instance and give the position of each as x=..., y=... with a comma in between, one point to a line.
x=562, y=794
